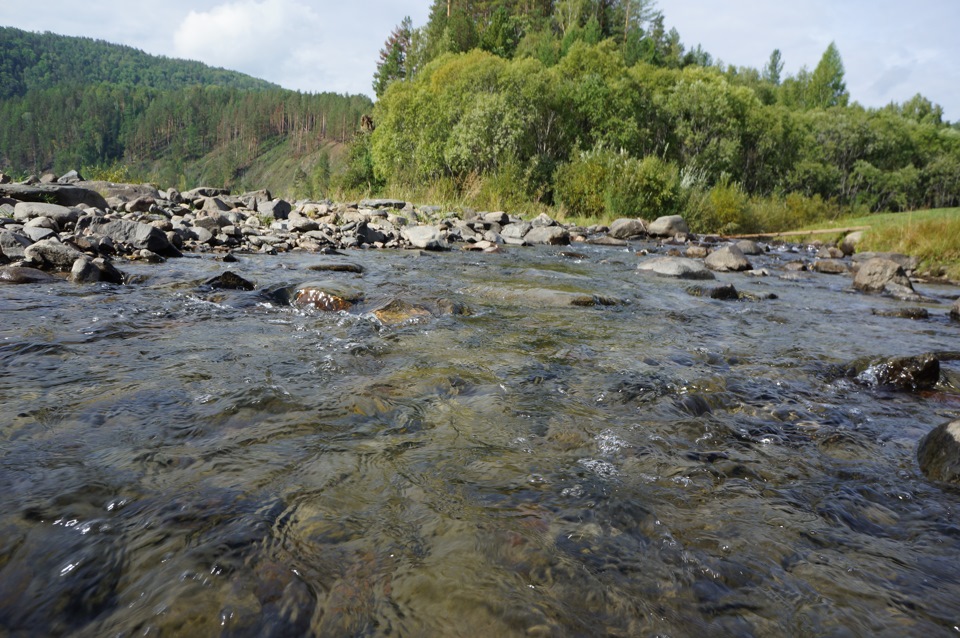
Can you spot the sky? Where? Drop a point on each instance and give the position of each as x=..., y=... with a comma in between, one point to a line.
x=891, y=50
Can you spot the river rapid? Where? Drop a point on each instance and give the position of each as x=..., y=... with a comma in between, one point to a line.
x=176, y=460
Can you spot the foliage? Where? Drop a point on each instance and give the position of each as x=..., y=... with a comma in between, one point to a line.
x=34, y=61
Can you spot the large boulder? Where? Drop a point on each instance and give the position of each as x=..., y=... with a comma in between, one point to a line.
x=552, y=235
x=425, y=237
x=727, y=259
x=939, y=453
x=123, y=192
x=679, y=267
x=955, y=310
x=65, y=195
x=136, y=235
x=276, y=208
x=62, y=215
x=50, y=254
x=668, y=226
x=627, y=228
x=908, y=263
x=874, y=275
x=23, y=275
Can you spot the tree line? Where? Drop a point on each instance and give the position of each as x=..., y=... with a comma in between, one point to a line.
x=592, y=105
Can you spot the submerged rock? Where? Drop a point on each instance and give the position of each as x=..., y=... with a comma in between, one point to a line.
x=324, y=295
x=725, y=293
x=902, y=313
x=24, y=275
x=904, y=373
x=339, y=266
x=679, y=267
x=939, y=453
x=955, y=310
x=51, y=254
x=399, y=311
x=830, y=267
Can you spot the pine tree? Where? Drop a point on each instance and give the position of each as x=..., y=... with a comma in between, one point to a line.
x=774, y=68
x=827, y=87
x=393, y=57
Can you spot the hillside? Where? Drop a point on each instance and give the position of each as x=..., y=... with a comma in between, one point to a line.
x=75, y=103
x=35, y=61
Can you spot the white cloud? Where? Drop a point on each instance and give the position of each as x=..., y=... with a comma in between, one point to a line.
x=248, y=35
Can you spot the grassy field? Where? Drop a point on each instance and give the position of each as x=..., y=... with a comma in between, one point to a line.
x=933, y=236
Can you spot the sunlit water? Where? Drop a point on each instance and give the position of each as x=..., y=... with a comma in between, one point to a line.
x=180, y=461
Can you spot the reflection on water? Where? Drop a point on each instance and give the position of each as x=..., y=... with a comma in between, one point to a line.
x=179, y=461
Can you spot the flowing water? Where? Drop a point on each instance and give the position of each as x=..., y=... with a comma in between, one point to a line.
x=181, y=461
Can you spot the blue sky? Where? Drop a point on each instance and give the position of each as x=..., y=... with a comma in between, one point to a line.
x=891, y=50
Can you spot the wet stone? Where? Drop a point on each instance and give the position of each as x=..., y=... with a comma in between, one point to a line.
x=902, y=313
x=325, y=296
x=337, y=267
x=903, y=373
x=399, y=311
x=229, y=281
x=939, y=453
x=24, y=275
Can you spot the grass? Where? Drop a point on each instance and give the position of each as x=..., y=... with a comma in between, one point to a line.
x=932, y=236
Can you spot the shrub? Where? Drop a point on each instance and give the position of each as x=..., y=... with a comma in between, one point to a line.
x=604, y=183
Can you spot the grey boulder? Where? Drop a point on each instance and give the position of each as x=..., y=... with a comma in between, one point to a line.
x=668, y=226
x=727, y=259
x=679, y=267
x=939, y=453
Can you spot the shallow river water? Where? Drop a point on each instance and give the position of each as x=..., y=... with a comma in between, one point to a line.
x=181, y=461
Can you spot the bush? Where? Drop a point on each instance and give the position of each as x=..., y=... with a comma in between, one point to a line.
x=723, y=209
x=604, y=183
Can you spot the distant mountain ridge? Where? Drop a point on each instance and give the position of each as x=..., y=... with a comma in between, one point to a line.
x=36, y=61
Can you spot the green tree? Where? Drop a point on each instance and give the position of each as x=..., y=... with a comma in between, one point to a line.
x=393, y=57
x=827, y=86
x=774, y=68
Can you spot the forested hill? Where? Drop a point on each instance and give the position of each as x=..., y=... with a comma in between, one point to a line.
x=113, y=111
x=34, y=61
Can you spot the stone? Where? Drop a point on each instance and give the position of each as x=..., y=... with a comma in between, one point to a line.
x=724, y=293
x=205, y=191
x=550, y=235
x=70, y=177
x=679, y=267
x=876, y=273
x=84, y=271
x=848, y=245
x=325, y=295
x=425, y=237
x=543, y=221
x=203, y=235
x=229, y=281
x=124, y=192
x=750, y=247
x=109, y=272
x=136, y=235
x=668, y=226
x=53, y=255
x=13, y=244
x=399, y=311
x=499, y=217
x=24, y=275
x=727, y=259
x=276, y=208
x=903, y=373
x=63, y=216
x=908, y=263
x=214, y=205
x=607, y=240
x=696, y=252
x=902, y=313
x=830, y=267
x=37, y=233
x=303, y=224
x=627, y=228
x=939, y=453
x=955, y=310
x=395, y=204
x=62, y=194
x=337, y=267
x=516, y=231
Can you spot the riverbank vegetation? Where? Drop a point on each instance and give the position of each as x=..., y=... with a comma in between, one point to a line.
x=596, y=111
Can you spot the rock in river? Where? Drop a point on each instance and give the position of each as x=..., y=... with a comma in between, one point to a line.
x=727, y=259
x=904, y=373
x=229, y=281
x=668, y=226
x=939, y=453
x=679, y=267
x=875, y=274
x=22, y=275
x=325, y=295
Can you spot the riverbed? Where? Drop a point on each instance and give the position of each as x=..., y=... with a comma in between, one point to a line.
x=181, y=460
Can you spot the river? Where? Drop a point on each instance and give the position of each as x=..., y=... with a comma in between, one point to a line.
x=176, y=460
